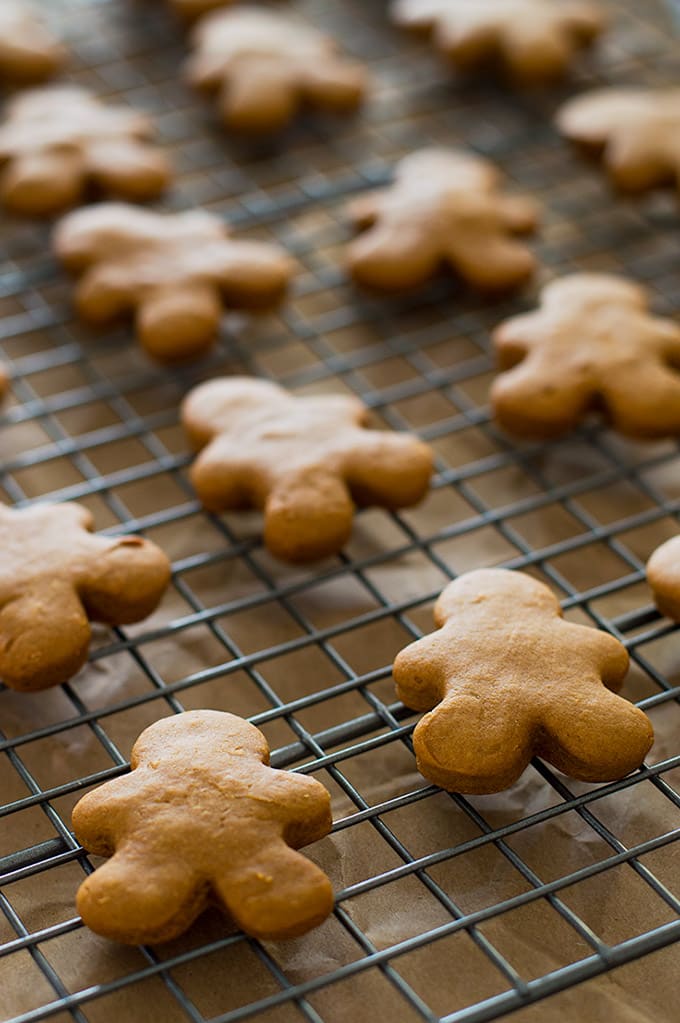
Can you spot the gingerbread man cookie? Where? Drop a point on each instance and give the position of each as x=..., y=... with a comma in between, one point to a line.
x=444, y=207
x=263, y=66
x=173, y=271
x=591, y=345
x=56, y=576
x=663, y=575
x=28, y=50
x=534, y=40
x=637, y=132
x=57, y=141
x=202, y=819
x=506, y=678
x=305, y=461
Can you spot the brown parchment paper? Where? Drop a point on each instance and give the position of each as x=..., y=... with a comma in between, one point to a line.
x=121, y=49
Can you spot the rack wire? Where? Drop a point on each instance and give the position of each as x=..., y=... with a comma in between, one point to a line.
x=448, y=908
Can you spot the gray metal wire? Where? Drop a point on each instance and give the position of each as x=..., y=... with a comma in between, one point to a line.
x=296, y=193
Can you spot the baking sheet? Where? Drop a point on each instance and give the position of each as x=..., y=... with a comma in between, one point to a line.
x=91, y=419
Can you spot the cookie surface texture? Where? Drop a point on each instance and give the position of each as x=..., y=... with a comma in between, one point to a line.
x=175, y=272
x=57, y=141
x=263, y=67
x=444, y=207
x=200, y=820
x=55, y=577
x=663, y=575
x=505, y=678
x=306, y=461
x=592, y=345
x=533, y=40
x=28, y=50
x=636, y=131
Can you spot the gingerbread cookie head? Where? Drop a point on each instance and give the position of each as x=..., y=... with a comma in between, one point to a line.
x=175, y=272
x=56, y=142
x=636, y=131
x=663, y=575
x=264, y=67
x=202, y=819
x=55, y=577
x=28, y=50
x=533, y=40
x=445, y=207
x=591, y=345
x=506, y=678
x=305, y=461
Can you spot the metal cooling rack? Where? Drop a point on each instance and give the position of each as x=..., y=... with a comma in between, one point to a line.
x=91, y=420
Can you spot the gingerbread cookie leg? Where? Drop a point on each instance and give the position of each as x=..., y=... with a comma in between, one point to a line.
x=44, y=637
x=104, y=294
x=393, y=259
x=259, y=96
x=492, y=263
x=129, y=169
x=336, y=85
x=279, y=894
x=180, y=321
x=308, y=515
x=137, y=906
x=581, y=736
x=466, y=745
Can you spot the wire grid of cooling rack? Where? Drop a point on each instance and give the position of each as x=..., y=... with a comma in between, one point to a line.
x=91, y=420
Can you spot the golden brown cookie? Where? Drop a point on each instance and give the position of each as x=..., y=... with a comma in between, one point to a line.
x=263, y=67
x=4, y=382
x=58, y=141
x=592, y=345
x=200, y=820
x=305, y=461
x=534, y=40
x=56, y=577
x=506, y=678
x=636, y=131
x=445, y=207
x=189, y=10
x=28, y=50
x=663, y=575
x=175, y=272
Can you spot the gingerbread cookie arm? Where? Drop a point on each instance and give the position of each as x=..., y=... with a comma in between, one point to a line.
x=42, y=183
x=365, y=209
x=663, y=575
x=125, y=579
x=254, y=275
x=419, y=673
x=44, y=636
x=277, y=893
x=389, y=469
x=142, y=895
